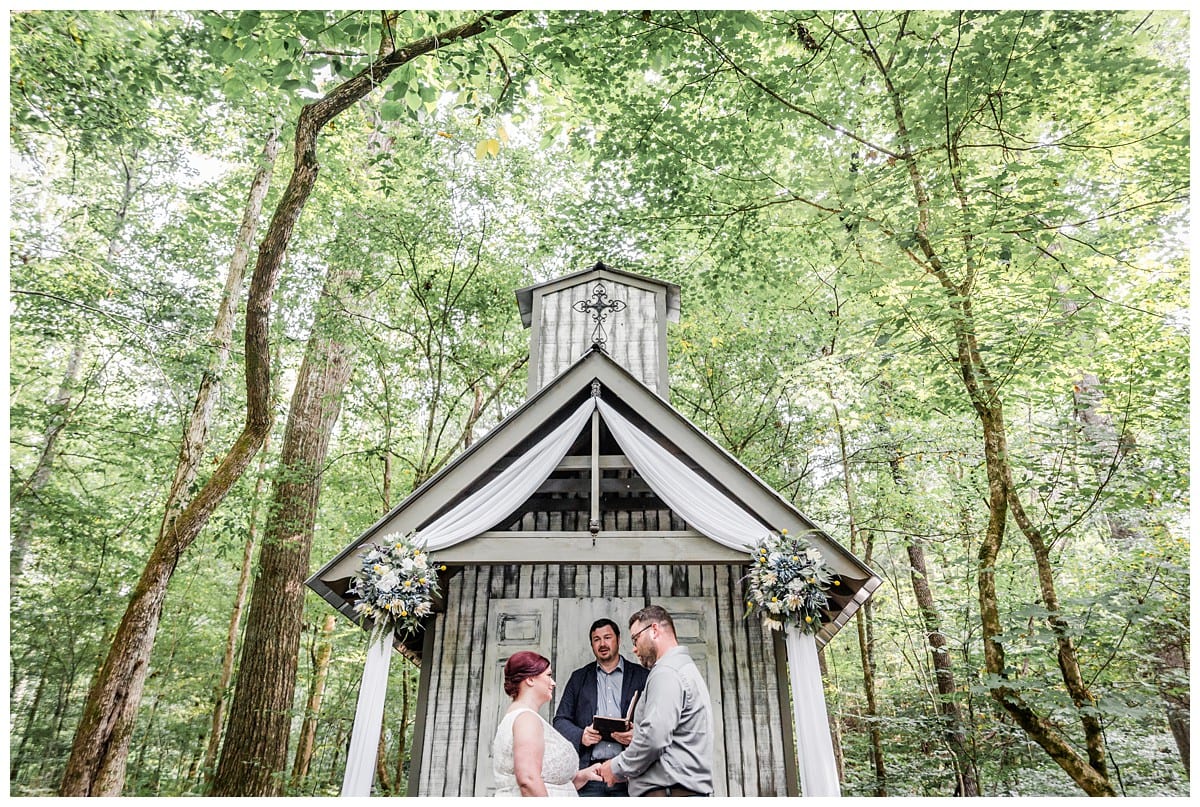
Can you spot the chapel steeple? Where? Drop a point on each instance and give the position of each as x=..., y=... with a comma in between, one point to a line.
x=622, y=313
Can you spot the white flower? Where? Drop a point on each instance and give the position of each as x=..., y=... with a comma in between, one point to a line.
x=423, y=608
x=388, y=581
x=773, y=624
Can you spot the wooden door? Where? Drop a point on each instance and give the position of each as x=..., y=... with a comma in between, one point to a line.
x=513, y=625
x=696, y=628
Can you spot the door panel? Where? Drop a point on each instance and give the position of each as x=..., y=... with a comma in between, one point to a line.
x=695, y=621
x=513, y=625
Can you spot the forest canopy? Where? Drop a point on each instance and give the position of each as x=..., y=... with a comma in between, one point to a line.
x=934, y=280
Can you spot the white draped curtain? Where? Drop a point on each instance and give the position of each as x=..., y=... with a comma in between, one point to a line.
x=692, y=497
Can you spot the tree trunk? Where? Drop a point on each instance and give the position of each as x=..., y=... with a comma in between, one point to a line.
x=1171, y=674
x=256, y=742
x=18, y=757
x=943, y=666
x=864, y=621
x=195, y=434
x=1165, y=642
x=22, y=529
x=402, y=740
x=96, y=766
x=312, y=711
x=383, y=776
x=835, y=725
x=235, y=621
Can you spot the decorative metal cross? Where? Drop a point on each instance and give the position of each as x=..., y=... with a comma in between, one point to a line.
x=599, y=306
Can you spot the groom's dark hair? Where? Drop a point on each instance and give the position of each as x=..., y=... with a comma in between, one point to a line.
x=604, y=622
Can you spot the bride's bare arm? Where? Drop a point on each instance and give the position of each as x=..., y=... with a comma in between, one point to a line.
x=529, y=744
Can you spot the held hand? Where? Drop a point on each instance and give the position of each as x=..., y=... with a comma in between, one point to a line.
x=623, y=737
x=606, y=773
x=588, y=774
x=590, y=737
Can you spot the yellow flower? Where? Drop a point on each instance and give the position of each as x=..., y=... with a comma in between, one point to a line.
x=796, y=557
x=808, y=619
x=783, y=532
x=404, y=613
x=774, y=599
x=421, y=581
x=837, y=582
x=442, y=568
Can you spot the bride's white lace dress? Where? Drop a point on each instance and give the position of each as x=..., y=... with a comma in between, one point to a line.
x=559, y=760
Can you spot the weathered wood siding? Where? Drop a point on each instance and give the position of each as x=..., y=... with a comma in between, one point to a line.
x=752, y=722
x=564, y=334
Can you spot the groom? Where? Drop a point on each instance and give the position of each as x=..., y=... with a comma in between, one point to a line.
x=672, y=752
x=604, y=687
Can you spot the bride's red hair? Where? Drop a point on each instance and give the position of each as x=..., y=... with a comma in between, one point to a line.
x=520, y=666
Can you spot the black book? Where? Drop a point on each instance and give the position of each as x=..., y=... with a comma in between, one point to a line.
x=607, y=725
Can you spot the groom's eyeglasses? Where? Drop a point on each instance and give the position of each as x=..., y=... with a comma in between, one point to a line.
x=634, y=636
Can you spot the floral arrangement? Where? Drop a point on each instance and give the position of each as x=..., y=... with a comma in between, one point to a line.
x=395, y=587
x=788, y=580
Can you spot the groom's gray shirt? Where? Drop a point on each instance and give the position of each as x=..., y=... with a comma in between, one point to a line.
x=673, y=730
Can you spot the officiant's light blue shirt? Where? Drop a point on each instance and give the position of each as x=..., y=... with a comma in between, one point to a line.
x=608, y=703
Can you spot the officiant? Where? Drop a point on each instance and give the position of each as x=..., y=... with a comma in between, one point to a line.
x=604, y=687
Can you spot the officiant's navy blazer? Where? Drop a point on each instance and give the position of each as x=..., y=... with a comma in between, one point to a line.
x=578, y=704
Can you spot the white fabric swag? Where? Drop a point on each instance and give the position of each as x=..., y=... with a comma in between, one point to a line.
x=696, y=500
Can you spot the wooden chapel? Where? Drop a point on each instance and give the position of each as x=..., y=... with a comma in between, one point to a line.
x=561, y=515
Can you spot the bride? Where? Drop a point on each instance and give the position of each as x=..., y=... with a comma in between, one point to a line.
x=530, y=757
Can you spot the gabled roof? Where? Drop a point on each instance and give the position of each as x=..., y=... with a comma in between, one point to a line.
x=545, y=410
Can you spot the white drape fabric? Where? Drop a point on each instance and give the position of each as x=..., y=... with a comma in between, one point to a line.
x=818, y=769
x=368, y=720
x=696, y=501
x=693, y=498
x=483, y=509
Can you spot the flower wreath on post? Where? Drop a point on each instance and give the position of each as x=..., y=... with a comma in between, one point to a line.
x=395, y=587
x=788, y=580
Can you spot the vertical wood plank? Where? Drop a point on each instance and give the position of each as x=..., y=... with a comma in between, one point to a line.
x=430, y=753
x=459, y=703
x=525, y=581
x=450, y=675
x=768, y=727
x=539, y=581
x=566, y=580
x=732, y=736
x=476, y=600
x=745, y=706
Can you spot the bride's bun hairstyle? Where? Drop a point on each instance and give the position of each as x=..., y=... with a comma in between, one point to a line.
x=520, y=666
